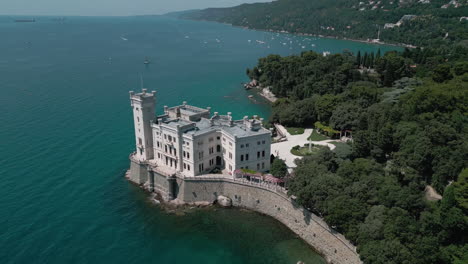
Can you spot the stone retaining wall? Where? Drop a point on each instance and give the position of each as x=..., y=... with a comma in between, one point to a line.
x=261, y=197
x=333, y=246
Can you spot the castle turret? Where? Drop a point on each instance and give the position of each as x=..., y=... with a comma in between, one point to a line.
x=143, y=105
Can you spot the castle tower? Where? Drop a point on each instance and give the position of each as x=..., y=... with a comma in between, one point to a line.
x=143, y=105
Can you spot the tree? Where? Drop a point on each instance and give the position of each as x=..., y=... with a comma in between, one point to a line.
x=346, y=116
x=461, y=68
x=460, y=190
x=279, y=168
x=442, y=73
x=358, y=58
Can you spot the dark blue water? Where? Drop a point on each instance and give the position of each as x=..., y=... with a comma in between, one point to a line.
x=66, y=132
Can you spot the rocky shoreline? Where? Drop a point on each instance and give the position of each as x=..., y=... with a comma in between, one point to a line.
x=265, y=92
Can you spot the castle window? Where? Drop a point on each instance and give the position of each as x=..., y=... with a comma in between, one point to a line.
x=188, y=167
x=230, y=155
x=218, y=138
x=263, y=153
x=258, y=166
x=242, y=157
x=211, y=150
x=263, y=142
x=258, y=142
x=200, y=167
x=138, y=119
x=230, y=167
x=185, y=166
x=246, y=156
x=263, y=165
x=242, y=146
x=247, y=145
x=188, y=155
x=165, y=148
x=218, y=148
x=211, y=139
x=200, y=155
x=175, y=152
x=258, y=154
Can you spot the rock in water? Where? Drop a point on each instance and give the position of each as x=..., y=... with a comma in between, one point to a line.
x=224, y=201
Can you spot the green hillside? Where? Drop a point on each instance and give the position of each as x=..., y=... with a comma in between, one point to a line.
x=352, y=19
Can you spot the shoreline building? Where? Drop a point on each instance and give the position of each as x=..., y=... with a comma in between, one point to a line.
x=187, y=141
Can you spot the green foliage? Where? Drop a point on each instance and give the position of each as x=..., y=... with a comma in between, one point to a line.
x=330, y=131
x=315, y=136
x=295, y=130
x=461, y=68
x=350, y=19
x=442, y=73
x=306, y=151
x=279, y=168
x=404, y=136
x=249, y=171
x=342, y=150
x=460, y=191
x=407, y=110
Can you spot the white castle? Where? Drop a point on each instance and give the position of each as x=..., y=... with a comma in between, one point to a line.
x=187, y=141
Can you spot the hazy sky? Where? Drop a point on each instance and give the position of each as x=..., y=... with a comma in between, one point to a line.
x=108, y=7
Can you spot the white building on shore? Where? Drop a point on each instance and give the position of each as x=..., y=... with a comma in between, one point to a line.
x=188, y=141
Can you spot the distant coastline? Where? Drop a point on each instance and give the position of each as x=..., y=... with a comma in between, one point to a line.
x=375, y=42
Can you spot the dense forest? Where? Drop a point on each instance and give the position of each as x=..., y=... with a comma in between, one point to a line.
x=408, y=114
x=353, y=19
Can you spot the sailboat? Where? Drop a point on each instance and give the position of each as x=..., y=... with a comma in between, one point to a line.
x=147, y=61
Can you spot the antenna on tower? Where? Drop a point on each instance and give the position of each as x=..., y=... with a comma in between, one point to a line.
x=141, y=81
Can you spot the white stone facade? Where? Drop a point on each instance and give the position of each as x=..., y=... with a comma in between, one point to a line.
x=188, y=141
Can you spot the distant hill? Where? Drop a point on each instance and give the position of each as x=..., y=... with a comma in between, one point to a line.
x=181, y=13
x=431, y=22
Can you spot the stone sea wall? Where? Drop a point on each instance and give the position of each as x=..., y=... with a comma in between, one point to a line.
x=274, y=202
x=261, y=197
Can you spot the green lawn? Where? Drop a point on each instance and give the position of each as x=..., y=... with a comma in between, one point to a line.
x=315, y=136
x=295, y=130
x=304, y=151
x=342, y=150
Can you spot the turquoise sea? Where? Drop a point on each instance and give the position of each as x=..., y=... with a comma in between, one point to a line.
x=66, y=132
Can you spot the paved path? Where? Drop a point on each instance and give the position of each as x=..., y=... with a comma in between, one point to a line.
x=283, y=149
